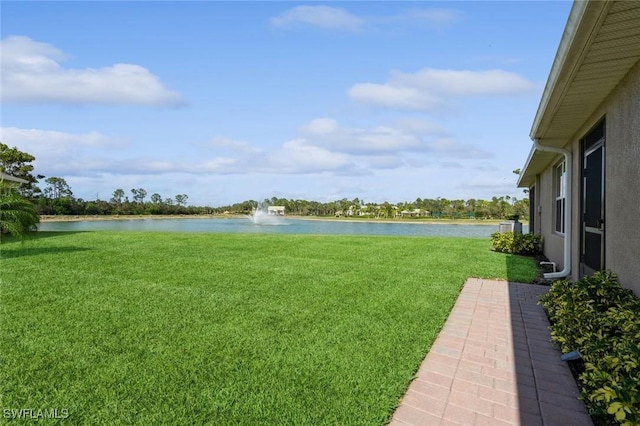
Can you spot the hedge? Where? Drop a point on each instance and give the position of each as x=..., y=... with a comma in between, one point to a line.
x=600, y=319
x=510, y=242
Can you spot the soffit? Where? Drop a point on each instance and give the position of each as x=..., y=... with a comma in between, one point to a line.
x=611, y=49
x=600, y=49
x=536, y=162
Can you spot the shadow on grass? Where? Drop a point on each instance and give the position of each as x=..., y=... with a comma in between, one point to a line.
x=39, y=235
x=36, y=251
x=24, y=248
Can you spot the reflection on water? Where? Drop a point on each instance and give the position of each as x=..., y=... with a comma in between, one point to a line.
x=288, y=226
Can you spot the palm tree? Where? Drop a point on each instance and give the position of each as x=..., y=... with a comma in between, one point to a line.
x=17, y=215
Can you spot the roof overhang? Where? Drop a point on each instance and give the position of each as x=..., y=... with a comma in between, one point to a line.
x=600, y=44
x=6, y=177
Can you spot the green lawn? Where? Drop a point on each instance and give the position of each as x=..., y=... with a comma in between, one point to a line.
x=174, y=328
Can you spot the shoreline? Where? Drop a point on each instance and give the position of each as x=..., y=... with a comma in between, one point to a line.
x=95, y=218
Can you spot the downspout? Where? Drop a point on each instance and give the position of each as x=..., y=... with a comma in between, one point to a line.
x=566, y=270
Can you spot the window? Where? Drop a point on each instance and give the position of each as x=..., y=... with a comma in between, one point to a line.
x=532, y=210
x=559, y=176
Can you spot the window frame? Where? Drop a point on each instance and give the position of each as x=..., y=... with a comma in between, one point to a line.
x=560, y=196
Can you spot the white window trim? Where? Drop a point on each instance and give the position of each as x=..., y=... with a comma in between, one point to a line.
x=559, y=177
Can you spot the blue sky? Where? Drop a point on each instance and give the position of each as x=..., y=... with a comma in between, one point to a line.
x=231, y=101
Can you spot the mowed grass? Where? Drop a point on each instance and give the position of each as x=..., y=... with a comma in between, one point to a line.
x=173, y=328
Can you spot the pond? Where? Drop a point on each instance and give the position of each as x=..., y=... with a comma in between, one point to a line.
x=279, y=226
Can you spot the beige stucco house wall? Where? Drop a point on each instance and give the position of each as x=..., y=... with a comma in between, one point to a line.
x=595, y=78
x=553, y=241
x=622, y=177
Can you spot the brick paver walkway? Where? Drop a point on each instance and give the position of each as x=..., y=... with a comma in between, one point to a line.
x=493, y=364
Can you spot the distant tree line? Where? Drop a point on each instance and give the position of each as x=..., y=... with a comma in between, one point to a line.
x=56, y=198
x=502, y=207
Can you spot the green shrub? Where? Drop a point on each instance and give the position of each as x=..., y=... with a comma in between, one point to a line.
x=18, y=215
x=509, y=242
x=600, y=319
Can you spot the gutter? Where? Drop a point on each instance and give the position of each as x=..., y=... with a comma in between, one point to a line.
x=9, y=178
x=566, y=270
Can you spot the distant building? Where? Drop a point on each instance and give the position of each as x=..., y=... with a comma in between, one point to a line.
x=415, y=213
x=275, y=210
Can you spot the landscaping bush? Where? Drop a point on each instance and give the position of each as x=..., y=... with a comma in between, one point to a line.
x=18, y=215
x=510, y=242
x=600, y=319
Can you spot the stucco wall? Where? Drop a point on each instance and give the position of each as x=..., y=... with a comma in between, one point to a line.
x=622, y=187
x=622, y=182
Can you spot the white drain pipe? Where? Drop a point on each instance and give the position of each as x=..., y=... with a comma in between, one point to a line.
x=566, y=270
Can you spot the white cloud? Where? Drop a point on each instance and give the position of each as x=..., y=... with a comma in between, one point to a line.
x=464, y=83
x=60, y=153
x=489, y=185
x=420, y=126
x=333, y=18
x=452, y=148
x=430, y=88
x=428, y=18
x=382, y=162
x=321, y=126
x=222, y=165
x=323, y=147
x=32, y=72
x=359, y=141
x=393, y=96
x=299, y=157
x=325, y=17
x=413, y=136
x=233, y=145
x=53, y=140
